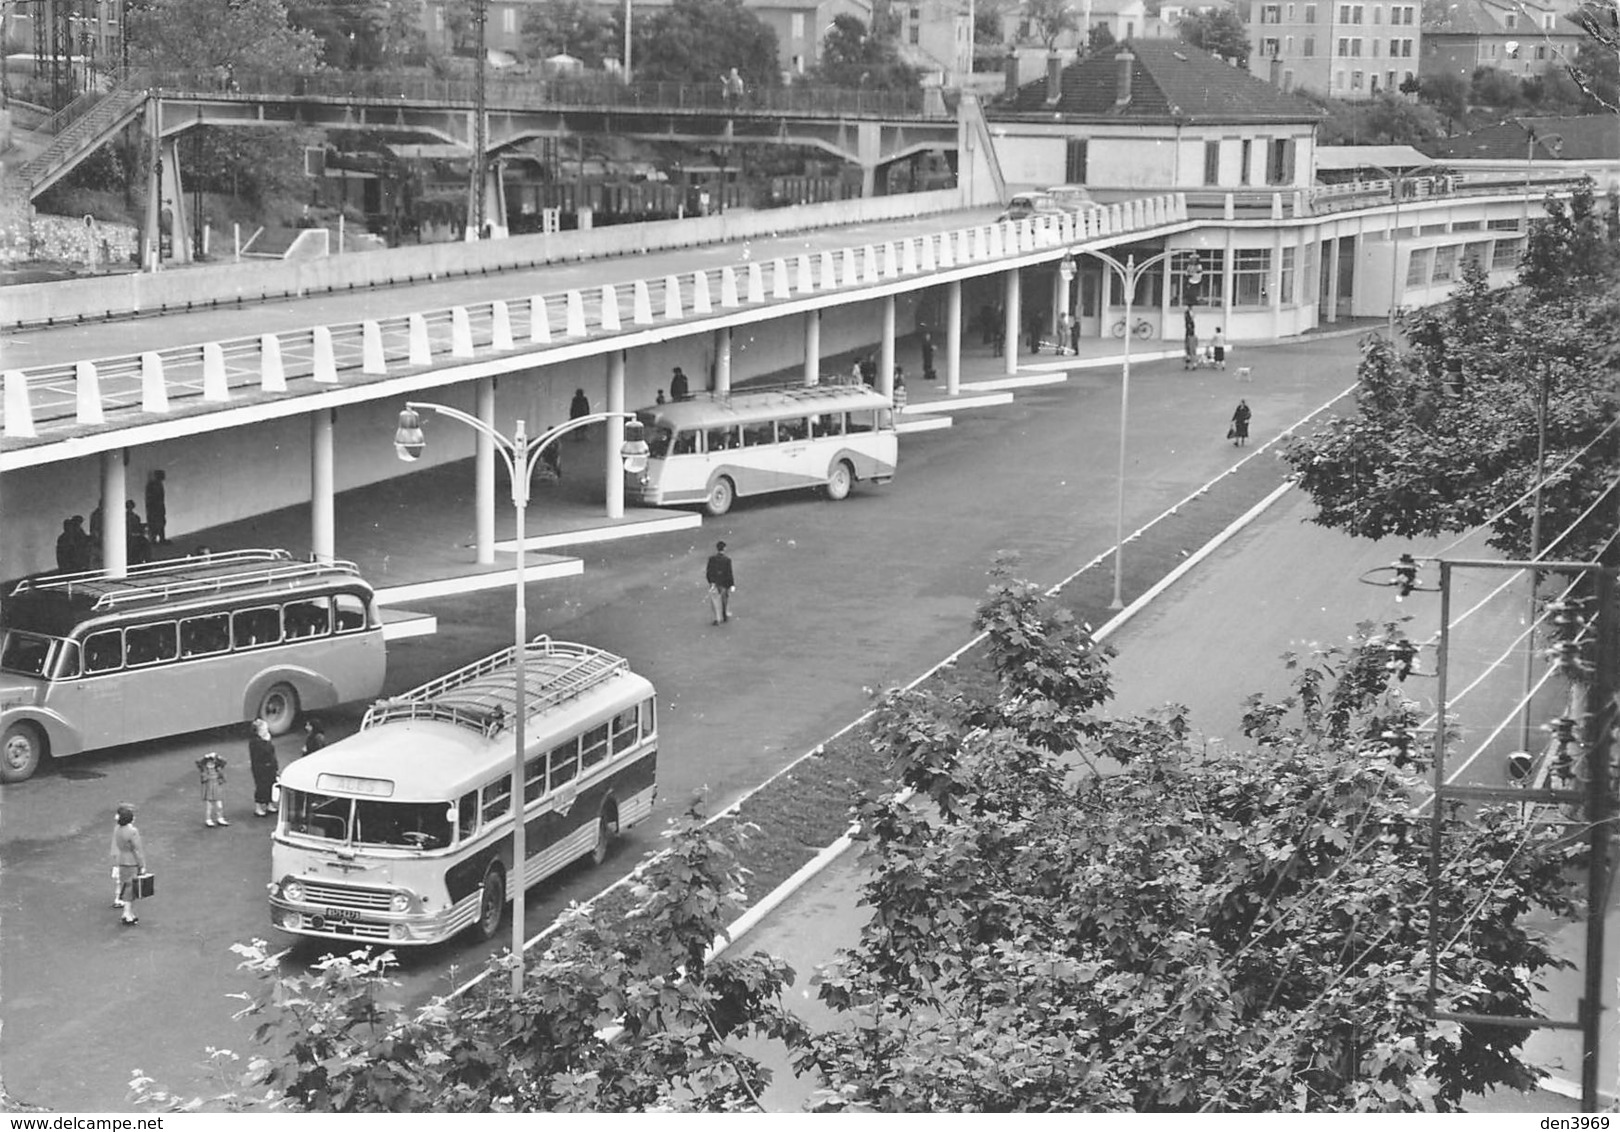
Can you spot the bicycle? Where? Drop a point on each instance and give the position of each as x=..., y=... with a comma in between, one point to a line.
x=1142, y=329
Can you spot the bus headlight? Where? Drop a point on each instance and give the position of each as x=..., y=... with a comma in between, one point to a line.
x=293, y=892
x=400, y=902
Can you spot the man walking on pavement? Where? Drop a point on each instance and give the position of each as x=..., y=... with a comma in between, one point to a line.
x=721, y=583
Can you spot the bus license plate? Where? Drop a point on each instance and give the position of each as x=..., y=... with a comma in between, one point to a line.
x=342, y=914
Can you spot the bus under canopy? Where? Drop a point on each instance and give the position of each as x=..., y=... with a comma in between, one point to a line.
x=712, y=448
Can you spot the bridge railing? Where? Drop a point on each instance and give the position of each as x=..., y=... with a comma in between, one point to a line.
x=501, y=92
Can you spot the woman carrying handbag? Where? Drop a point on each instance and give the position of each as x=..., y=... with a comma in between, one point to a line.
x=129, y=861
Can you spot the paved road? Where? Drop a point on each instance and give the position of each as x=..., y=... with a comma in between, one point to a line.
x=832, y=600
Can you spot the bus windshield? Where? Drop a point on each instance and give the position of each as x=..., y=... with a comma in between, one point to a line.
x=28, y=654
x=658, y=439
x=366, y=821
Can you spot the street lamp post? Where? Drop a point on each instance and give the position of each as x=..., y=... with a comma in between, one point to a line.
x=480, y=106
x=520, y=454
x=1129, y=273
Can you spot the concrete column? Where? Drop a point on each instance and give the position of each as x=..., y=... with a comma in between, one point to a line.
x=1333, y=279
x=722, y=361
x=1062, y=291
x=1226, y=290
x=812, y=347
x=953, y=337
x=885, y=381
x=114, y=530
x=1011, y=320
x=484, y=474
x=322, y=537
x=174, y=199
x=613, y=469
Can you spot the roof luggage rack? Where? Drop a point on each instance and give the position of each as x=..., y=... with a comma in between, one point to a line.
x=178, y=577
x=482, y=696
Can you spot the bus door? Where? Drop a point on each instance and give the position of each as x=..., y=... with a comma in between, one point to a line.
x=793, y=443
x=92, y=688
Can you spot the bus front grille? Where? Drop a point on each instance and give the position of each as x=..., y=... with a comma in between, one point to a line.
x=343, y=896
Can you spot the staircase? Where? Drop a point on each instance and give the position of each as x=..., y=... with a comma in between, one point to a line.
x=76, y=131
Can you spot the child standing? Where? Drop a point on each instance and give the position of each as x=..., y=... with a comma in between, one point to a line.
x=211, y=771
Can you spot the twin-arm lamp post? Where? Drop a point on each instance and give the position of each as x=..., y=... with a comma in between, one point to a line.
x=1129, y=273
x=520, y=453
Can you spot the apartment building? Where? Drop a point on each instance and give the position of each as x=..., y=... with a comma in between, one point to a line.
x=1344, y=50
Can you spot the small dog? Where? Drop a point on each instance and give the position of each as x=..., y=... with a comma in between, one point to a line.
x=1244, y=373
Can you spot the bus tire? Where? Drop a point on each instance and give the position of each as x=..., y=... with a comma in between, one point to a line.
x=721, y=494
x=839, y=480
x=607, y=828
x=491, y=904
x=278, y=707
x=21, y=751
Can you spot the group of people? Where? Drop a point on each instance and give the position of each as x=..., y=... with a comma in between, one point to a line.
x=129, y=861
x=79, y=549
x=1216, y=355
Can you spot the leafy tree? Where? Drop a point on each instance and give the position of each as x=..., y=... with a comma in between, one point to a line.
x=1050, y=20
x=698, y=41
x=199, y=35
x=1444, y=437
x=1201, y=928
x=621, y=1013
x=1382, y=120
x=1447, y=93
x=586, y=31
x=1221, y=32
x=354, y=34
x=1597, y=64
x=1099, y=38
x=851, y=56
x=1494, y=87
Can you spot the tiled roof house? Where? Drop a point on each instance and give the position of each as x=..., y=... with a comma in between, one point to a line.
x=1154, y=114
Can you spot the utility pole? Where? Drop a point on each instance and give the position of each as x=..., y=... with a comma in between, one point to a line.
x=1600, y=784
x=475, y=210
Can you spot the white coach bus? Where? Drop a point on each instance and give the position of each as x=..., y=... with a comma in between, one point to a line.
x=713, y=448
x=402, y=833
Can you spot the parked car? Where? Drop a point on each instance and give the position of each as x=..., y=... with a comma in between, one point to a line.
x=1030, y=204
x=1072, y=198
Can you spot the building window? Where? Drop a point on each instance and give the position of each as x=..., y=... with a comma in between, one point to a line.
x=1505, y=254
x=1378, y=14
x=1288, y=78
x=509, y=21
x=1285, y=285
x=1410, y=13
x=1310, y=13
x=1355, y=47
x=1417, y=267
x=1541, y=51
x=1355, y=14
x=1406, y=52
x=1280, y=161
x=1511, y=20
x=912, y=33
x=798, y=25
x=1269, y=48
x=1212, y=163
x=1074, y=162
x=1309, y=49
x=1288, y=46
x=1355, y=80
x=1211, y=287
x=1251, y=277
x=1290, y=13
x=1546, y=21
x=1374, y=50
x=1246, y=150
x=1344, y=47
x=1344, y=13
x=1338, y=79
x=1271, y=14
x=1445, y=265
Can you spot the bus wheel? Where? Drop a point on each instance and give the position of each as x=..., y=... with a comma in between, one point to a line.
x=839, y=479
x=491, y=904
x=720, y=497
x=20, y=752
x=279, y=708
x=607, y=828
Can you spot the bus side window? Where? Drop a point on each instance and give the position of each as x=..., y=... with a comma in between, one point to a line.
x=565, y=762
x=467, y=814
x=755, y=435
x=203, y=636
x=624, y=730
x=149, y=644
x=685, y=443
x=351, y=612
x=310, y=618
x=497, y=798
x=796, y=429
x=104, y=652
x=863, y=421
x=830, y=424
x=649, y=717
x=255, y=628
x=67, y=664
x=595, y=744
x=534, y=778
x=722, y=439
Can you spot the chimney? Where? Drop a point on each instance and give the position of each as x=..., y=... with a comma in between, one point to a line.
x=1009, y=68
x=1124, y=61
x=1054, y=79
x=1276, y=71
